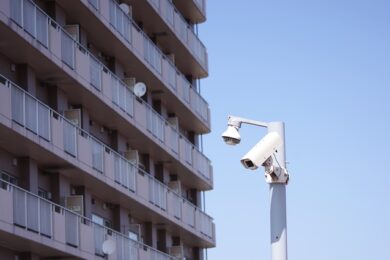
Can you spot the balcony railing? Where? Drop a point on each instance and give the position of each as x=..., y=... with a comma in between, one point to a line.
x=46, y=218
x=179, y=25
x=30, y=113
x=94, y=3
x=125, y=173
x=71, y=139
x=120, y=21
x=32, y=19
x=155, y=124
x=79, y=59
x=201, y=5
x=153, y=56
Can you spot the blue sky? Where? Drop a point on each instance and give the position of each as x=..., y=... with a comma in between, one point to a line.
x=323, y=67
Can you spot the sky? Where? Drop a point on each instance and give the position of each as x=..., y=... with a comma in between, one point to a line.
x=322, y=67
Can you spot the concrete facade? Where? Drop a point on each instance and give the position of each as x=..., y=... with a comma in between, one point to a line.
x=84, y=162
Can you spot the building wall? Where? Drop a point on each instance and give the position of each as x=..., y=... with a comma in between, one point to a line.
x=61, y=174
x=7, y=254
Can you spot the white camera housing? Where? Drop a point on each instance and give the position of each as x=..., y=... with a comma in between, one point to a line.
x=231, y=136
x=262, y=151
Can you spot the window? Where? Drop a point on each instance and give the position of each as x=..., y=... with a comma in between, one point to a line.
x=7, y=178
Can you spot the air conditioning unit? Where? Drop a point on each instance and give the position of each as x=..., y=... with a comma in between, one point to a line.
x=75, y=203
x=73, y=115
x=175, y=185
x=174, y=121
x=176, y=251
x=73, y=30
x=130, y=82
x=133, y=157
x=135, y=232
x=171, y=57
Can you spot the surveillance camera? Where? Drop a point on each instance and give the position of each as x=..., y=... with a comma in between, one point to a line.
x=231, y=136
x=259, y=154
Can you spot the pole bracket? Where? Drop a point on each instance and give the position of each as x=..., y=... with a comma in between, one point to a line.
x=275, y=174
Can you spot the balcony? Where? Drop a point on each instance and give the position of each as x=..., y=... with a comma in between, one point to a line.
x=109, y=92
x=172, y=21
x=195, y=10
x=109, y=26
x=69, y=234
x=57, y=136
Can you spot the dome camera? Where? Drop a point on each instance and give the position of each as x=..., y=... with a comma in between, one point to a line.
x=231, y=136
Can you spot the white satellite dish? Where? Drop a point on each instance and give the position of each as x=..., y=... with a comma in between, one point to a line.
x=139, y=89
x=108, y=246
x=125, y=8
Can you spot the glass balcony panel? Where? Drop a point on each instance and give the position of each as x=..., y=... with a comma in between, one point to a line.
x=129, y=102
x=125, y=174
x=29, y=17
x=70, y=134
x=188, y=152
x=31, y=113
x=168, y=11
x=175, y=141
x=32, y=213
x=72, y=228
x=95, y=73
x=43, y=121
x=171, y=75
x=94, y=3
x=16, y=11
x=177, y=206
x=119, y=20
x=131, y=171
x=100, y=237
x=67, y=49
x=19, y=208
x=117, y=169
x=127, y=249
x=122, y=96
x=17, y=97
x=186, y=86
x=45, y=218
x=42, y=23
x=181, y=26
x=115, y=90
x=127, y=28
x=97, y=155
x=155, y=3
x=112, y=13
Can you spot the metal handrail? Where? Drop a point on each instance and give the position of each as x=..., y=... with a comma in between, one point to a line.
x=187, y=25
x=85, y=219
x=105, y=147
x=139, y=29
x=105, y=68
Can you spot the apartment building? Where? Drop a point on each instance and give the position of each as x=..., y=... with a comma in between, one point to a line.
x=101, y=124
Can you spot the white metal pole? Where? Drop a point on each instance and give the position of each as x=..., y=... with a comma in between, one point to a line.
x=278, y=218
